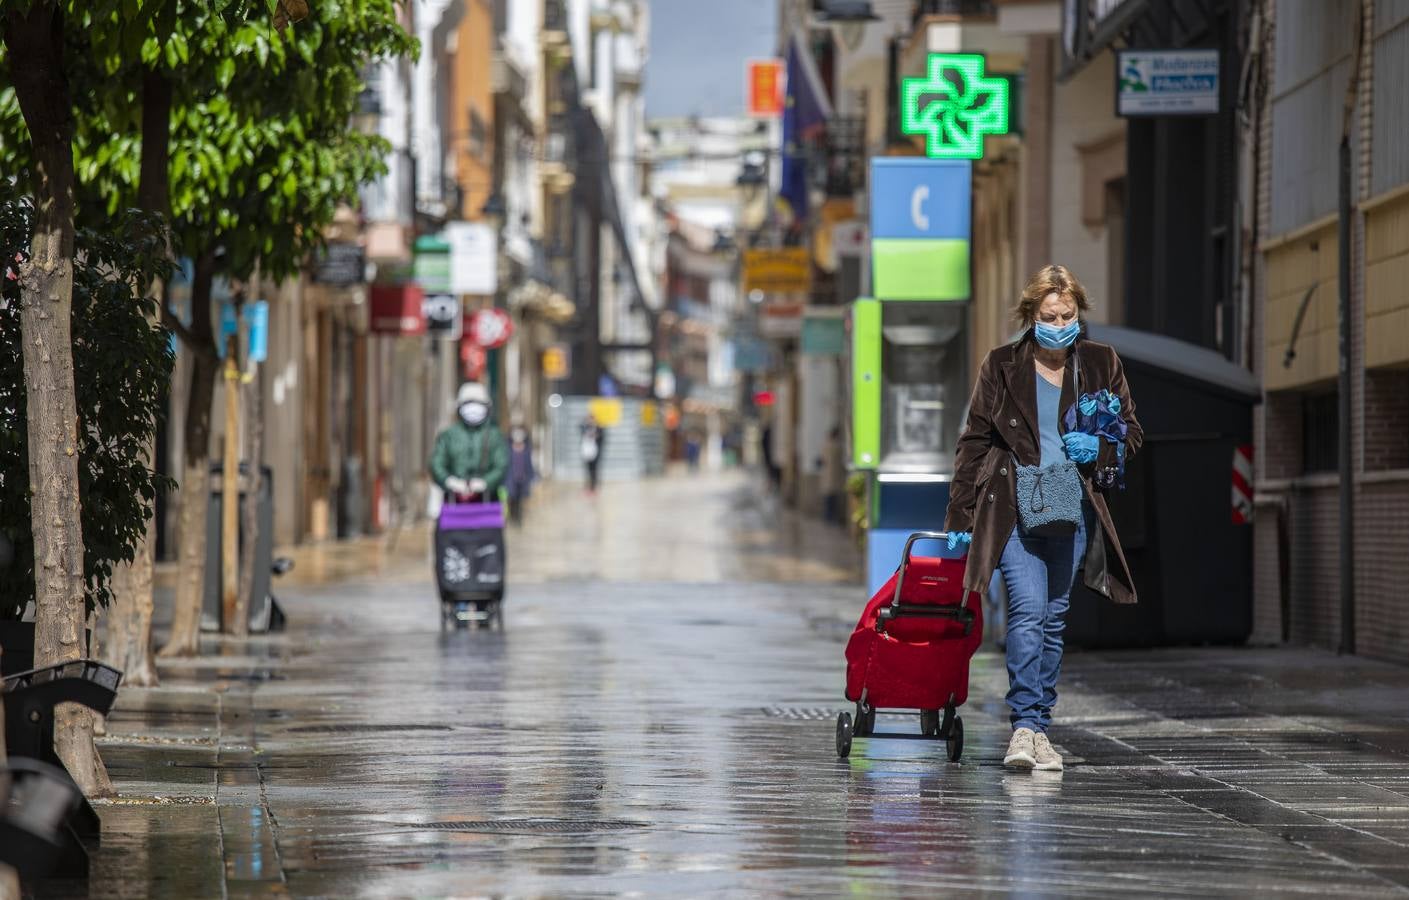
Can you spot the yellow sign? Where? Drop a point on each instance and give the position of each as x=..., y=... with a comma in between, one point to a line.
x=649, y=415
x=605, y=410
x=777, y=270
x=557, y=363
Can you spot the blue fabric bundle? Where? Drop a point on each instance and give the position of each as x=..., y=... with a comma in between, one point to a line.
x=1099, y=414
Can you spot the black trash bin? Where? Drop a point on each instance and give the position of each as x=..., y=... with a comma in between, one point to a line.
x=349, y=498
x=1191, y=564
x=260, y=600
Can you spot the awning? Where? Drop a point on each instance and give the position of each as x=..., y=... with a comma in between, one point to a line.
x=1090, y=26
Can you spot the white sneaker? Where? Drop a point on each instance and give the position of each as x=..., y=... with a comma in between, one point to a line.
x=1048, y=759
x=1022, y=751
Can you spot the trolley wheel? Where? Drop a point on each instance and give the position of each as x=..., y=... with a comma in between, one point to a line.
x=844, y=735
x=955, y=741
x=929, y=722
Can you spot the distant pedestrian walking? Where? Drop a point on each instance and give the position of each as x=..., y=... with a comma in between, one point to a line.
x=593, y=443
x=1051, y=425
x=521, y=473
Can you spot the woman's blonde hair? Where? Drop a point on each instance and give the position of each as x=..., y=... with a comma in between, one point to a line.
x=1048, y=279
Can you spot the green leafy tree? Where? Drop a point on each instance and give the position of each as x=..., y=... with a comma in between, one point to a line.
x=122, y=363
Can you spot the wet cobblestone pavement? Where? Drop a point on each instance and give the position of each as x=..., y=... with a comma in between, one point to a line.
x=658, y=719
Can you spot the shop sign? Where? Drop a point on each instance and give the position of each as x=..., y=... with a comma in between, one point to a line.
x=765, y=88
x=920, y=228
x=954, y=106
x=1166, y=82
x=443, y=317
x=606, y=411
x=474, y=258
x=340, y=264
x=491, y=328
x=431, y=265
x=557, y=362
x=777, y=270
x=823, y=335
x=397, y=309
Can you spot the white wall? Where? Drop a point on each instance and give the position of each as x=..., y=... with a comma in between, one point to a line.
x=1082, y=112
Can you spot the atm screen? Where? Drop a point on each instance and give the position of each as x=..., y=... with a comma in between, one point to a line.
x=924, y=346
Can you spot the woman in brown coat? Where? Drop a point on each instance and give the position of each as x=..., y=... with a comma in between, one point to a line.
x=1015, y=419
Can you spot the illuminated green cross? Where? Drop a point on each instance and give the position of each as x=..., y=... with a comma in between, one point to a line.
x=963, y=106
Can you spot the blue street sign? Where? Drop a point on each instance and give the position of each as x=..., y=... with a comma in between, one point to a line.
x=912, y=197
x=257, y=325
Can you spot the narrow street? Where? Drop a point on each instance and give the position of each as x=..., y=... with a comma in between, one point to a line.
x=658, y=719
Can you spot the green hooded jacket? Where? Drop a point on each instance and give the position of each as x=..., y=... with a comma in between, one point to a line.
x=465, y=452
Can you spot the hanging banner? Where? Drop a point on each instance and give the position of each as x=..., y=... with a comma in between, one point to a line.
x=765, y=88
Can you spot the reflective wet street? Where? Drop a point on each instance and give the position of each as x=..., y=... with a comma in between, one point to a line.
x=658, y=719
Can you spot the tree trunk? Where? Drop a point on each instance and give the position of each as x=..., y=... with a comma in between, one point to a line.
x=249, y=524
x=195, y=481
x=35, y=41
x=130, y=620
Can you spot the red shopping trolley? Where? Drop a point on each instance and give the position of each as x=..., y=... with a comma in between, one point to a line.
x=911, y=650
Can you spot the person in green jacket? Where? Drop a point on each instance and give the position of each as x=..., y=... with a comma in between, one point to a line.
x=471, y=457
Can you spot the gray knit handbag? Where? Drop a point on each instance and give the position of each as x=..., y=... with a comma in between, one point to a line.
x=1049, y=499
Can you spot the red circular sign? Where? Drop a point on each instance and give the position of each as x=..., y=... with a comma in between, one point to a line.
x=491, y=328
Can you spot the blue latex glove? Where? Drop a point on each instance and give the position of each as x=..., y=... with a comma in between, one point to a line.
x=1081, y=448
x=960, y=537
x=1087, y=405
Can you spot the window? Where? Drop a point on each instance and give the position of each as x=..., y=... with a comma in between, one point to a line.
x=1320, y=433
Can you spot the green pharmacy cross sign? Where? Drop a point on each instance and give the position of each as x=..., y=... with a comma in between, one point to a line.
x=954, y=106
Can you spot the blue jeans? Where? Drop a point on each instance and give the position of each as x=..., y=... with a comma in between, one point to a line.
x=1039, y=573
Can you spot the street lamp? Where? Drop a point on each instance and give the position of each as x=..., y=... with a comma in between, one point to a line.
x=494, y=210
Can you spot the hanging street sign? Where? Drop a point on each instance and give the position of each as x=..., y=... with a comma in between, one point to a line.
x=777, y=270
x=1166, y=82
x=474, y=257
x=257, y=324
x=443, y=318
x=491, y=328
x=954, y=106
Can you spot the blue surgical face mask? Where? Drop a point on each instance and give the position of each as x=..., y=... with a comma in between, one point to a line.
x=1054, y=338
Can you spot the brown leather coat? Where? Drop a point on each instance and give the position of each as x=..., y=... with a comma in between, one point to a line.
x=1003, y=423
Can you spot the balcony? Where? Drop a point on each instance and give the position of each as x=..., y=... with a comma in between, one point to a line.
x=950, y=8
x=506, y=78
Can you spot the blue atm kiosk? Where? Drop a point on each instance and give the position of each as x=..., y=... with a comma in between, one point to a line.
x=909, y=351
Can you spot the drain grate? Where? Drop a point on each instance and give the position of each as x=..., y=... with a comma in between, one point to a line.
x=800, y=713
x=530, y=826
x=352, y=728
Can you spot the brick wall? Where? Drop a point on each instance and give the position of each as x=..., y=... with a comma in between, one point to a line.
x=1382, y=570
x=1386, y=421
x=1314, y=570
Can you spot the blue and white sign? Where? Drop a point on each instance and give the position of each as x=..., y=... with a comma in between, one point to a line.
x=914, y=197
x=1166, y=82
x=257, y=323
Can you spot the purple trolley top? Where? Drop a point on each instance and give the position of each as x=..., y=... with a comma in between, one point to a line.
x=469, y=516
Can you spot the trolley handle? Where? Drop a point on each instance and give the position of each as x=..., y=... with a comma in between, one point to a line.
x=905, y=557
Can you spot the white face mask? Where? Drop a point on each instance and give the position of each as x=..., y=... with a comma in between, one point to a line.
x=474, y=414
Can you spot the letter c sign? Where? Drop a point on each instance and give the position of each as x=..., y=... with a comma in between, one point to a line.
x=917, y=207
